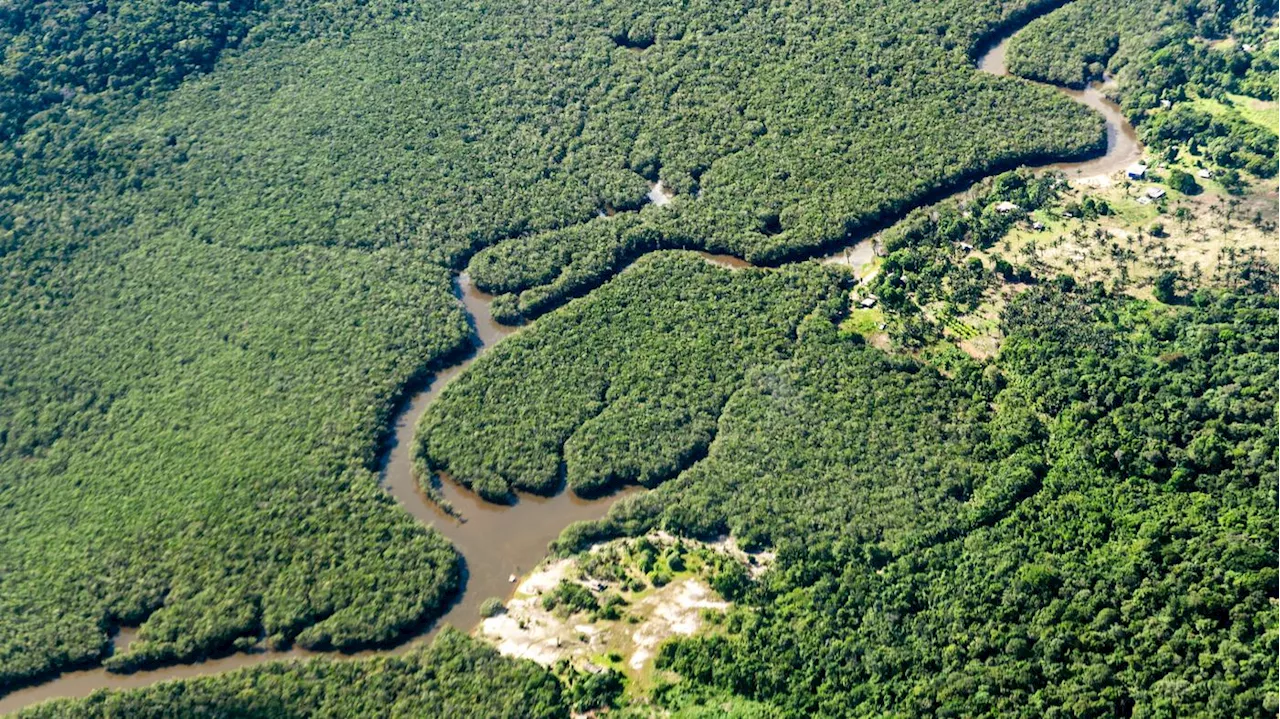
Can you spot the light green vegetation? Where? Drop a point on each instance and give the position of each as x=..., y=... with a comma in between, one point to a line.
x=1076, y=43
x=612, y=606
x=840, y=436
x=1265, y=114
x=819, y=190
x=1262, y=113
x=1163, y=69
x=1208, y=239
x=622, y=386
x=454, y=677
x=226, y=242
x=1044, y=526
x=864, y=322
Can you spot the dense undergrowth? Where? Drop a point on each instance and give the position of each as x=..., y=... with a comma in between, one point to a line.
x=1164, y=56
x=1084, y=528
x=455, y=677
x=623, y=386
x=225, y=236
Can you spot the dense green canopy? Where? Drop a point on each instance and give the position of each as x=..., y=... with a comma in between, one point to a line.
x=1085, y=528
x=454, y=677
x=225, y=236
x=622, y=386
x=227, y=239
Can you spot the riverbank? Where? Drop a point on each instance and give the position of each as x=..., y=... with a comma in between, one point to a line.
x=498, y=541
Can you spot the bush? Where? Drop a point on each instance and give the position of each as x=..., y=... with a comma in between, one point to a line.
x=492, y=607
x=569, y=598
x=596, y=691
x=1183, y=182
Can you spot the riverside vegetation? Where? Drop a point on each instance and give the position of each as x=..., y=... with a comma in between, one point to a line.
x=455, y=676
x=1085, y=527
x=227, y=235
x=1166, y=67
x=628, y=381
x=227, y=238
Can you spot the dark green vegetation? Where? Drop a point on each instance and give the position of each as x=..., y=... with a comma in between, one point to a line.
x=170, y=457
x=569, y=598
x=59, y=54
x=789, y=185
x=454, y=677
x=226, y=232
x=622, y=386
x=1080, y=41
x=1160, y=54
x=226, y=239
x=1084, y=528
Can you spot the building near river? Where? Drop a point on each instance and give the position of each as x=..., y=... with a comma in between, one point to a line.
x=1136, y=171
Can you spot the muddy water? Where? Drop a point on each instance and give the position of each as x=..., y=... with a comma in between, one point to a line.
x=729, y=262
x=1123, y=147
x=498, y=541
x=495, y=541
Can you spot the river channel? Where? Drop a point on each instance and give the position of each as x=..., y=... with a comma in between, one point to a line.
x=498, y=541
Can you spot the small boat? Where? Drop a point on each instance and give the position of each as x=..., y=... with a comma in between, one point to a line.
x=511, y=579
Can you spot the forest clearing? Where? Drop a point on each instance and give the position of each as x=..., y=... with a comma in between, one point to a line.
x=378, y=358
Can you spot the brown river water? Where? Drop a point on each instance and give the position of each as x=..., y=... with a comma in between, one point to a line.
x=1123, y=148
x=497, y=541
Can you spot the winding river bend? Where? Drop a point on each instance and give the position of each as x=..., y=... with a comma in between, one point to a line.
x=495, y=540
x=1123, y=147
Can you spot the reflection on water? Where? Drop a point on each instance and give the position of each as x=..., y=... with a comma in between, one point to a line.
x=1123, y=147
x=494, y=540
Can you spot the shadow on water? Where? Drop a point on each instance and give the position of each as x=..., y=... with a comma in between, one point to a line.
x=495, y=541
x=498, y=541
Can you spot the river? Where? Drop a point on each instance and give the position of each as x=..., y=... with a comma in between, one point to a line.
x=497, y=541
x=1123, y=148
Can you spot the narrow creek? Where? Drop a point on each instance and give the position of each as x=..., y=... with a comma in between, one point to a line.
x=500, y=540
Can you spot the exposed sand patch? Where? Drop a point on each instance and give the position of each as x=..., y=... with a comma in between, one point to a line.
x=647, y=614
x=659, y=194
x=671, y=613
x=1093, y=181
x=523, y=631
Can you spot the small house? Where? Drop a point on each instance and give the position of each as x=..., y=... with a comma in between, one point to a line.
x=966, y=247
x=1006, y=207
x=868, y=302
x=1155, y=193
x=1136, y=171
x=1037, y=226
x=1144, y=200
x=1204, y=173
